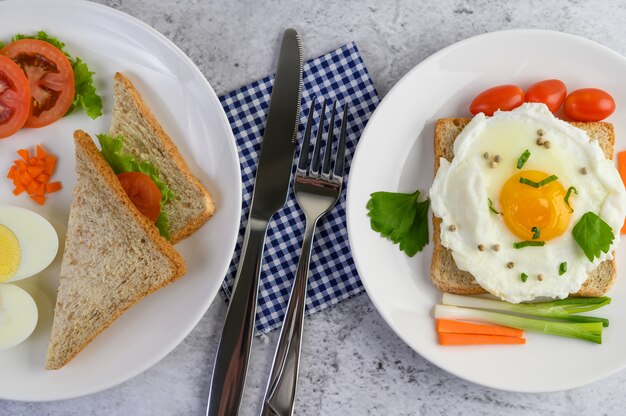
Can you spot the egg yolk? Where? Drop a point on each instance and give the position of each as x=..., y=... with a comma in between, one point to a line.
x=524, y=207
x=10, y=255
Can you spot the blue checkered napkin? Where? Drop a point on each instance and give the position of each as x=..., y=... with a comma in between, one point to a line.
x=337, y=76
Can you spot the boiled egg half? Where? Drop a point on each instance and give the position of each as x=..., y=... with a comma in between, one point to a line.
x=18, y=315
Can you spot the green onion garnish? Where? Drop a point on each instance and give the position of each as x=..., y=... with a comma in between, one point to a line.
x=536, y=232
x=523, y=158
x=523, y=244
x=567, y=195
x=562, y=268
x=491, y=208
x=524, y=277
x=534, y=184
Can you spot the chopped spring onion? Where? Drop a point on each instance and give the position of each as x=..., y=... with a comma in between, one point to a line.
x=559, y=309
x=536, y=232
x=567, y=195
x=523, y=158
x=523, y=244
x=524, y=277
x=491, y=207
x=539, y=184
x=562, y=268
x=589, y=331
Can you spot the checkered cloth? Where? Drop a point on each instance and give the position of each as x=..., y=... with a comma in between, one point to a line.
x=337, y=76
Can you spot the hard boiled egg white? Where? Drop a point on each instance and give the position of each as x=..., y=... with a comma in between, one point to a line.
x=28, y=243
x=18, y=315
x=485, y=169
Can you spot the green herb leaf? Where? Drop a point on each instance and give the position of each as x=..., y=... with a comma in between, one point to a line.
x=85, y=94
x=567, y=195
x=1, y=44
x=523, y=158
x=524, y=277
x=593, y=235
x=536, y=233
x=491, y=207
x=122, y=162
x=562, y=268
x=534, y=184
x=523, y=244
x=401, y=218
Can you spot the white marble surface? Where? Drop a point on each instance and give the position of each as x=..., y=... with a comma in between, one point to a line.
x=353, y=364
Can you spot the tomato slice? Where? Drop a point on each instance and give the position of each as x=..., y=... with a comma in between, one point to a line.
x=51, y=79
x=14, y=97
x=143, y=192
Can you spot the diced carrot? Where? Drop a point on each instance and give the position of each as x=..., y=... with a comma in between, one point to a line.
x=50, y=164
x=35, y=171
x=43, y=177
x=21, y=165
x=32, y=161
x=476, y=339
x=18, y=190
x=24, y=154
x=25, y=179
x=459, y=327
x=38, y=199
x=31, y=188
x=41, y=154
x=621, y=167
x=12, y=172
x=53, y=187
x=40, y=190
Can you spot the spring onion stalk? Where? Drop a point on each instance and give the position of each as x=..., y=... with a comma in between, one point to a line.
x=591, y=331
x=559, y=309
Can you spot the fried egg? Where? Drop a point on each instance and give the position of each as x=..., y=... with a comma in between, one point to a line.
x=28, y=243
x=489, y=202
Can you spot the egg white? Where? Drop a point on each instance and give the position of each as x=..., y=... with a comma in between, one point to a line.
x=37, y=238
x=18, y=315
x=461, y=190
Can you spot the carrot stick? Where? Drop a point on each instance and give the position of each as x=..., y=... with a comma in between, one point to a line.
x=458, y=327
x=475, y=339
x=621, y=165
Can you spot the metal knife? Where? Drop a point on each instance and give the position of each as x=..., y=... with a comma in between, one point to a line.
x=273, y=177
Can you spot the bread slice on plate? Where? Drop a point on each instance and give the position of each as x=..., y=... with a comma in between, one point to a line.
x=146, y=140
x=444, y=273
x=114, y=257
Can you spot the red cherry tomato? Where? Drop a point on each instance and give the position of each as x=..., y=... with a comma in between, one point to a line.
x=589, y=104
x=51, y=79
x=503, y=97
x=551, y=92
x=143, y=192
x=14, y=97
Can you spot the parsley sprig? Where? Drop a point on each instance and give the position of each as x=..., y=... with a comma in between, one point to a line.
x=593, y=235
x=400, y=217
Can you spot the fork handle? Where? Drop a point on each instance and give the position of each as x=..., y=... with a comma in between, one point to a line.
x=281, y=387
x=233, y=351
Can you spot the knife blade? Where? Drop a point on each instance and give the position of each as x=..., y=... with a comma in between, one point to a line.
x=272, y=181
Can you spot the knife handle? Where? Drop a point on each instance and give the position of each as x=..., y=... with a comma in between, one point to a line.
x=233, y=351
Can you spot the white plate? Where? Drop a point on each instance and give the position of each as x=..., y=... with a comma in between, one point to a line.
x=395, y=153
x=190, y=112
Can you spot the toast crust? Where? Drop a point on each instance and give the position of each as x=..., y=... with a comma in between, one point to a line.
x=84, y=142
x=444, y=273
x=173, y=151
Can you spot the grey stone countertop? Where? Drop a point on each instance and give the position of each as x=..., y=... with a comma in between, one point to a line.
x=353, y=363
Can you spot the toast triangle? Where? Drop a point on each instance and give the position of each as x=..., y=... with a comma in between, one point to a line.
x=114, y=257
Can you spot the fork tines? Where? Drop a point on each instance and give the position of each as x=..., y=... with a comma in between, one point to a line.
x=314, y=167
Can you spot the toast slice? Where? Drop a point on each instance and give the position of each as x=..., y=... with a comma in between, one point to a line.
x=114, y=257
x=146, y=140
x=444, y=273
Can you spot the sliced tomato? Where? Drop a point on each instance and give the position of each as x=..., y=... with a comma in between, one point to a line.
x=14, y=97
x=51, y=79
x=551, y=92
x=143, y=192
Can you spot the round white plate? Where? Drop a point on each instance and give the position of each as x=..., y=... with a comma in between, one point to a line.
x=396, y=154
x=190, y=112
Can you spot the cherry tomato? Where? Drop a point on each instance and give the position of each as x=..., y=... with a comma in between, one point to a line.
x=551, y=92
x=51, y=79
x=589, y=104
x=143, y=192
x=14, y=97
x=502, y=97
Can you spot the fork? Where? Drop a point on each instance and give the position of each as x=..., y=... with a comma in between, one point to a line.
x=317, y=188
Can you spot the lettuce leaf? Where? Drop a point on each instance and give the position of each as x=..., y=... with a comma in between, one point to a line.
x=122, y=162
x=85, y=95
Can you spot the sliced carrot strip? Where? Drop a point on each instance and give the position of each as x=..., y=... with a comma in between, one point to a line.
x=621, y=167
x=50, y=164
x=53, y=187
x=18, y=190
x=475, y=339
x=458, y=327
x=41, y=154
x=25, y=179
x=32, y=187
x=24, y=154
x=12, y=172
x=35, y=171
x=38, y=199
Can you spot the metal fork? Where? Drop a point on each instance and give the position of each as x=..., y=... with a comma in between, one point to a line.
x=317, y=191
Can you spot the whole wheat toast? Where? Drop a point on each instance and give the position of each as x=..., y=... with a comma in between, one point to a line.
x=444, y=272
x=113, y=257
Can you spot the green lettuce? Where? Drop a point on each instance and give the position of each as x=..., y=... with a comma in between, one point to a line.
x=122, y=162
x=85, y=95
